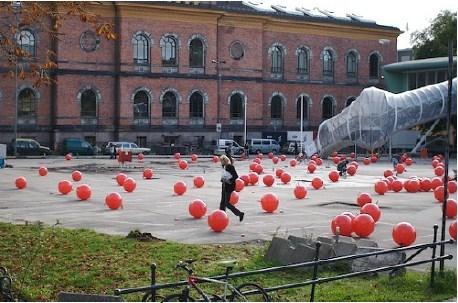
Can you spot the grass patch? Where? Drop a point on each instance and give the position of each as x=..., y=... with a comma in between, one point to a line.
x=46, y=260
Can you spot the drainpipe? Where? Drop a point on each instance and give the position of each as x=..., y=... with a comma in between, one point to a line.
x=117, y=67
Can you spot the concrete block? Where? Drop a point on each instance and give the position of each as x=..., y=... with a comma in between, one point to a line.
x=344, y=248
x=372, y=262
x=300, y=240
x=284, y=252
x=78, y=297
x=362, y=242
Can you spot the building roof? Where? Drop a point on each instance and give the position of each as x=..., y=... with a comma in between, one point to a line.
x=253, y=7
x=430, y=63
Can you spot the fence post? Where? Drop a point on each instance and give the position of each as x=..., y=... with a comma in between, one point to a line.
x=433, y=264
x=315, y=271
x=153, y=281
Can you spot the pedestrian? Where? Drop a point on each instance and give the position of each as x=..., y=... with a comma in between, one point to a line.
x=342, y=168
x=228, y=177
x=247, y=150
x=395, y=159
x=295, y=148
x=112, y=151
x=228, y=151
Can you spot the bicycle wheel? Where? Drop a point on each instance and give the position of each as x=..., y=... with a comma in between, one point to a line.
x=177, y=298
x=148, y=297
x=260, y=294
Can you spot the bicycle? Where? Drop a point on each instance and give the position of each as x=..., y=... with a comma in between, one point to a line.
x=246, y=292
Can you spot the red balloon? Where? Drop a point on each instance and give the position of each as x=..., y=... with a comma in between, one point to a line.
x=275, y=160
x=120, y=178
x=300, y=192
x=283, y=157
x=183, y=164
x=452, y=230
x=366, y=161
x=400, y=168
x=363, y=225
x=199, y=181
x=374, y=159
x=279, y=172
x=179, y=188
x=381, y=187
x=352, y=155
x=311, y=168
x=425, y=184
x=42, y=171
x=113, y=201
x=436, y=182
x=129, y=185
x=452, y=187
x=77, y=175
x=351, y=170
x=21, y=182
x=355, y=164
x=439, y=171
x=218, y=220
x=404, y=234
x=258, y=169
x=259, y=156
x=239, y=185
x=409, y=161
x=268, y=180
x=317, y=183
x=293, y=162
x=177, y=156
x=269, y=202
x=396, y=185
x=253, y=165
x=319, y=161
x=334, y=154
x=342, y=225
x=336, y=160
x=194, y=157
x=363, y=199
x=215, y=159
x=254, y=178
x=451, y=208
x=245, y=179
x=271, y=155
x=83, y=192
x=334, y=176
x=64, y=187
x=197, y=208
x=349, y=214
x=234, y=198
x=257, y=159
x=434, y=163
x=372, y=210
x=439, y=194
x=387, y=173
x=285, y=178
x=140, y=157
x=148, y=173
x=412, y=186
x=68, y=156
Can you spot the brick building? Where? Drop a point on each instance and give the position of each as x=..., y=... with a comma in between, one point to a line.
x=178, y=69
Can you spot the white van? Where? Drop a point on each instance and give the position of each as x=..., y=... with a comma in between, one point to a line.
x=263, y=146
x=222, y=144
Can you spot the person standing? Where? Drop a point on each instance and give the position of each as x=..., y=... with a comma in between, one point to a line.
x=247, y=150
x=228, y=177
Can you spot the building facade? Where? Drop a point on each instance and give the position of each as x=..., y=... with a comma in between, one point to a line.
x=187, y=72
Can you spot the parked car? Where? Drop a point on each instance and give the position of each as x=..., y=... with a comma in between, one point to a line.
x=127, y=146
x=77, y=146
x=222, y=144
x=263, y=146
x=28, y=147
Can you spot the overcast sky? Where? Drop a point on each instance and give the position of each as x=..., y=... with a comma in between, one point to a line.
x=417, y=14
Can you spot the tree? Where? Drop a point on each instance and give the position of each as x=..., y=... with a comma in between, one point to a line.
x=47, y=18
x=433, y=41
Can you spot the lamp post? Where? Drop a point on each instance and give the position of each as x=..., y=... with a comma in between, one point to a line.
x=244, y=122
x=302, y=121
x=218, y=88
x=16, y=6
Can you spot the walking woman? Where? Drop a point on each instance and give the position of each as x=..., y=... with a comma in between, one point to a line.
x=228, y=177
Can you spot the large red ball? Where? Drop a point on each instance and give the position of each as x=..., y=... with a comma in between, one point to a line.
x=396, y=185
x=300, y=192
x=404, y=234
x=140, y=157
x=363, y=199
x=409, y=161
x=68, y=156
x=451, y=208
x=120, y=178
x=283, y=158
x=334, y=176
x=218, y=220
x=285, y=177
x=21, y=182
x=77, y=175
x=372, y=210
x=257, y=159
x=366, y=161
x=245, y=179
x=254, y=178
x=278, y=172
x=275, y=160
x=177, y=156
x=42, y=171
x=452, y=187
x=412, y=186
x=179, y=188
x=400, y=168
x=253, y=165
x=317, y=183
x=268, y=180
x=425, y=184
x=239, y=185
x=363, y=225
x=129, y=185
x=293, y=162
x=269, y=202
x=199, y=181
x=197, y=208
x=311, y=168
x=351, y=170
x=183, y=164
x=64, y=187
x=342, y=225
x=387, y=173
x=452, y=230
x=380, y=187
x=83, y=192
x=258, y=169
x=436, y=182
x=319, y=161
x=234, y=198
x=215, y=159
x=434, y=163
x=336, y=160
x=194, y=157
x=270, y=155
x=439, y=194
x=113, y=201
x=148, y=173
x=439, y=171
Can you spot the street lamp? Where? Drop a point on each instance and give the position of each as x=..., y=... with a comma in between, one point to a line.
x=16, y=6
x=218, y=86
x=302, y=121
x=244, y=122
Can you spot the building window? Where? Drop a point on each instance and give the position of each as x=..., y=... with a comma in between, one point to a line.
x=141, y=105
x=374, y=66
x=196, y=105
x=352, y=65
x=236, y=50
x=141, y=50
x=196, y=53
x=277, y=60
x=327, y=108
x=26, y=103
x=236, y=106
x=88, y=104
x=328, y=64
x=302, y=61
x=169, y=105
x=169, y=51
x=350, y=101
x=276, y=107
x=89, y=41
x=304, y=108
x=141, y=141
x=26, y=41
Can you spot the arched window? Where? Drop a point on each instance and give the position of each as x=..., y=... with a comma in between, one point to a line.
x=196, y=105
x=302, y=61
x=236, y=106
x=328, y=64
x=169, y=51
x=327, y=108
x=304, y=109
x=373, y=66
x=26, y=103
x=277, y=60
x=26, y=41
x=276, y=111
x=88, y=104
x=352, y=65
x=141, y=49
x=350, y=101
x=196, y=53
x=141, y=105
x=169, y=105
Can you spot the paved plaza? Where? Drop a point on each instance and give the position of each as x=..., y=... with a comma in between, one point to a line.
x=153, y=207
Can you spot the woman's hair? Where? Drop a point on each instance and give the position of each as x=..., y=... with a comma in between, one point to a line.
x=224, y=160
